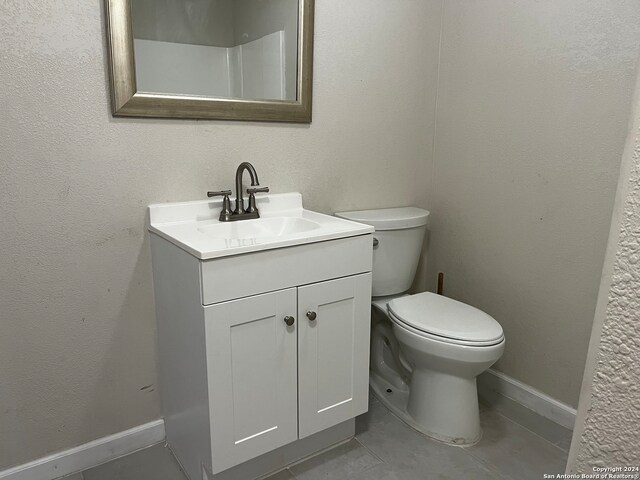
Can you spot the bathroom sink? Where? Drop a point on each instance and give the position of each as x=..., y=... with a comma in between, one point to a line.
x=261, y=228
x=195, y=226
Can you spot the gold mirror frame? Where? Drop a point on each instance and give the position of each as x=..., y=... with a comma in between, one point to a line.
x=126, y=101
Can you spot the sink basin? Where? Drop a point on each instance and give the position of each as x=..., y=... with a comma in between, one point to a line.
x=260, y=228
x=283, y=222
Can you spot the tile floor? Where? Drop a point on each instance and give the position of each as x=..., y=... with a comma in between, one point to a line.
x=386, y=449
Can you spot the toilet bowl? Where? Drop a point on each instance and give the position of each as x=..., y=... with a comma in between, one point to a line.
x=426, y=349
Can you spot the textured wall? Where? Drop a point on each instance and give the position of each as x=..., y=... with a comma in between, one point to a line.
x=533, y=103
x=606, y=433
x=78, y=329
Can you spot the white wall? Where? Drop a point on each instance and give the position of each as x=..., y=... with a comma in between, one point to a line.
x=221, y=23
x=182, y=68
x=533, y=103
x=258, y=69
x=253, y=19
x=606, y=433
x=78, y=329
x=208, y=22
x=254, y=70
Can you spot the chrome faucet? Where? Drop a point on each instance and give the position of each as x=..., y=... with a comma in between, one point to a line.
x=240, y=213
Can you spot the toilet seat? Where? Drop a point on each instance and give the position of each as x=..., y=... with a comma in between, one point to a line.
x=448, y=341
x=446, y=320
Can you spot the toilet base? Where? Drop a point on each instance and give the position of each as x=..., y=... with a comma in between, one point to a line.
x=397, y=400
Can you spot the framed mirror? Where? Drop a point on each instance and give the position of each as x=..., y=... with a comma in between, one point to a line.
x=211, y=59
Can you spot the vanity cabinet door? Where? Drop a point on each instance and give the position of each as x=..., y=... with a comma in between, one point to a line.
x=333, y=352
x=252, y=376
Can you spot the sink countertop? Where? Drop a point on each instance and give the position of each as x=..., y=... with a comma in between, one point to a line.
x=283, y=222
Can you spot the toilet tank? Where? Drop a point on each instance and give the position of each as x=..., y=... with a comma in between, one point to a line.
x=399, y=235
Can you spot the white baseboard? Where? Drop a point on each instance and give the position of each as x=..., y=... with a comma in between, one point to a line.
x=531, y=398
x=88, y=455
x=107, y=448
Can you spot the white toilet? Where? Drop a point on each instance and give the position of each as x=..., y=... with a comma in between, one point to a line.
x=426, y=349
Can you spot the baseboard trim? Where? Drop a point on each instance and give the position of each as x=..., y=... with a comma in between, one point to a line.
x=88, y=455
x=107, y=448
x=542, y=404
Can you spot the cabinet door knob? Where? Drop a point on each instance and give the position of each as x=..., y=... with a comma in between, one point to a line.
x=311, y=316
x=289, y=320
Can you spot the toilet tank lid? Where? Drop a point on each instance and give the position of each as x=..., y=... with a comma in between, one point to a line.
x=389, y=218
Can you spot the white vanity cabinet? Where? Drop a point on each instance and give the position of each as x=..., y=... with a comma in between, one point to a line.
x=243, y=393
x=252, y=375
x=271, y=383
x=333, y=355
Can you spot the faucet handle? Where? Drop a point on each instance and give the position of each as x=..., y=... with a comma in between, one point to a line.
x=221, y=193
x=254, y=190
x=225, y=213
x=252, y=198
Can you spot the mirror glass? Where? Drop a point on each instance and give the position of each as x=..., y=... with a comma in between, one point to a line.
x=237, y=49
